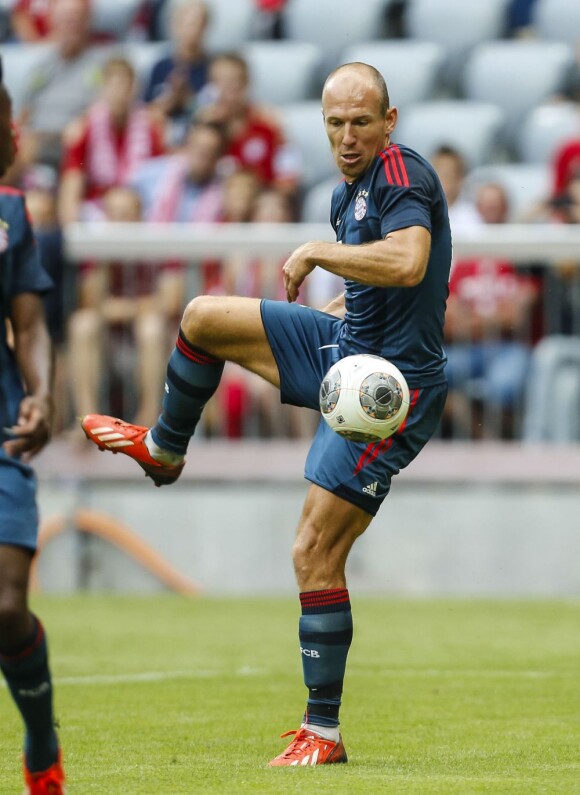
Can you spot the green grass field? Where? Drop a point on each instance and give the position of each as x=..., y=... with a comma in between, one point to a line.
x=173, y=696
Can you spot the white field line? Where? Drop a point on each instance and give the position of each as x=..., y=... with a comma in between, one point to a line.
x=166, y=676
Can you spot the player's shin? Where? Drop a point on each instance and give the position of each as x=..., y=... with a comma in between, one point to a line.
x=192, y=378
x=28, y=678
x=325, y=634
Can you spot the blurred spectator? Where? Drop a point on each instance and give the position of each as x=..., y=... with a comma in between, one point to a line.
x=177, y=79
x=488, y=330
x=451, y=169
x=186, y=186
x=269, y=23
x=255, y=139
x=118, y=297
x=520, y=18
x=30, y=19
x=104, y=147
x=62, y=86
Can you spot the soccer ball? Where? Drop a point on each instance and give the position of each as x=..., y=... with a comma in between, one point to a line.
x=364, y=398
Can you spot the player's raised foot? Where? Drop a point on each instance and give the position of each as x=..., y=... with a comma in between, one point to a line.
x=310, y=749
x=47, y=782
x=110, y=433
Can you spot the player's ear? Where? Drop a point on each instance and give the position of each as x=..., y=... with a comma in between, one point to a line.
x=391, y=120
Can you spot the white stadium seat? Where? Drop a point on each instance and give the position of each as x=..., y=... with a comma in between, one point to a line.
x=334, y=24
x=411, y=68
x=316, y=204
x=557, y=20
x=304, y=127
x=473, y=128
x=547, y=128
x=283, y=71
x=456, y=24
x=516, y=75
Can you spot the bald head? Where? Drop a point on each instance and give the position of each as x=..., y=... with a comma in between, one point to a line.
x=359, y=76
x=357, y=117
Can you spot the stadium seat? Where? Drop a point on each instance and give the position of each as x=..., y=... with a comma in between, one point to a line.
x=231, y=23
x=113, y=18
x=516, y=75
x=304, y=127
x=557, y=20
x=545, y=129
x=283, y=71
x=552, y=407
x=144, y=55
x=456, y=25
x=334, y=24
x=410, y=68
x=316, y=204
x=473, y=128
x=19, y=60
x=524, y=183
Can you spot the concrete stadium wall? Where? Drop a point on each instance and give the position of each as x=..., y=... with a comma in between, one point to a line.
x=471, y=521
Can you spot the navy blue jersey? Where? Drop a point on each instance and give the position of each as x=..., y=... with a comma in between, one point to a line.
x=403, y=324
x=20, y=272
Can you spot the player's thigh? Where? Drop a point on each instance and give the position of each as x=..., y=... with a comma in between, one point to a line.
x=231, y=328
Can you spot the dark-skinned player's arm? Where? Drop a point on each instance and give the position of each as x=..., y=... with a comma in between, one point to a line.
x=33, y=351
x=398, y=260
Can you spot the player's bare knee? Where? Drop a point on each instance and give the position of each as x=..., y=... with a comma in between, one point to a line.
x=197, y=318
x=13, y=613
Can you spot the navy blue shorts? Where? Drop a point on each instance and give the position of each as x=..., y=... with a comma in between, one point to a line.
x=18, y=509
x=304, y=342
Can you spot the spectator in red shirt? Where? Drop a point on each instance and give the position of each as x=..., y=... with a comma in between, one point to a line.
x=104, y=147
x=255, y=139
x=30, y=19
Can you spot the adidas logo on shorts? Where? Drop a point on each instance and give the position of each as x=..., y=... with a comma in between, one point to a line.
x=371, y=489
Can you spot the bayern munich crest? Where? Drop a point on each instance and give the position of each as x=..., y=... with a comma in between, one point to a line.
x=360, y=206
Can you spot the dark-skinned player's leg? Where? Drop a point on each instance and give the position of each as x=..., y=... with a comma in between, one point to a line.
x=24, y=659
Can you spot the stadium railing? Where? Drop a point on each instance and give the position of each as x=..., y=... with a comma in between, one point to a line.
x=548, y=409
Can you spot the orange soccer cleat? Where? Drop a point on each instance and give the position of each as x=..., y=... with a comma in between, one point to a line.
x=310, y=749
x=47, y=782
x=109, y=433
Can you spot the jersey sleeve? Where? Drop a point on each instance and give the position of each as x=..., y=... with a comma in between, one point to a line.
x=28, y=275
x=404, y=192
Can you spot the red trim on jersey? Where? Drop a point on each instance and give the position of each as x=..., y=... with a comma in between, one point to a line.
x=398, y=158
x=374, y=449
x=10, y=191
x=395, y=170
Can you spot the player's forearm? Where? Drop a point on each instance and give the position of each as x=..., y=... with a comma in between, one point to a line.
x=383, y=263
x=33, y=351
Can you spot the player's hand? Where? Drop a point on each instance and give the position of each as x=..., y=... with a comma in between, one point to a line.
x=32, y=430
x=295, y=270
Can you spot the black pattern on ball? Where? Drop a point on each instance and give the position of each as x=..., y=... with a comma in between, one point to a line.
x=381, y=396
x=329, y=392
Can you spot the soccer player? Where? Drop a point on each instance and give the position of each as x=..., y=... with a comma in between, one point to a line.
x=393, y=250
x=25, y=420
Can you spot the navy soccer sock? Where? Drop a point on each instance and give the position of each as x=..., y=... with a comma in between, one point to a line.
x=325, y=634
x=192, y=378
x=28, y=678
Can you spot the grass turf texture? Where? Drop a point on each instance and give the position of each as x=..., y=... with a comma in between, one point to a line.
x=169, y=695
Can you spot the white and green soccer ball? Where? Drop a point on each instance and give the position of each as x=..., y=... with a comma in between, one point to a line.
x=364, y=398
